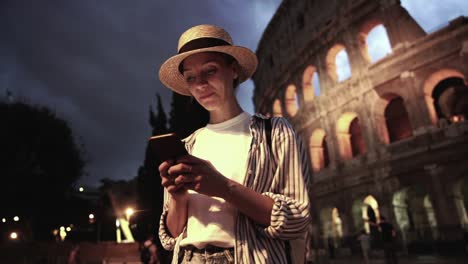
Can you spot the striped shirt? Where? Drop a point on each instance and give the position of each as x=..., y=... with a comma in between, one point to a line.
x=282, y=174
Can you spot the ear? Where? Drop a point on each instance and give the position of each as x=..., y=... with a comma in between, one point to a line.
x=235, y=70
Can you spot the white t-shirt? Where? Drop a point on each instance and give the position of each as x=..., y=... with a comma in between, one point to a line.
x=226, y=145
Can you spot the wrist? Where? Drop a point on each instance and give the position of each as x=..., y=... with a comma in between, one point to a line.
x=229, y=189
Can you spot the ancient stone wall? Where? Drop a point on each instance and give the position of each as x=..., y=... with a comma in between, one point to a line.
x=395, y=130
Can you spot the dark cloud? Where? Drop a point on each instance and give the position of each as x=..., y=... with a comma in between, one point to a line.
x=95, y=63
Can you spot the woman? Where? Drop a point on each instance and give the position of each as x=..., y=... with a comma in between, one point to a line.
x=233, y=199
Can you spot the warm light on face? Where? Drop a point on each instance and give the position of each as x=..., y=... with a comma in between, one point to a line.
x=16, y=218
x=14, y=235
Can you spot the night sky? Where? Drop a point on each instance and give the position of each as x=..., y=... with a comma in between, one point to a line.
x=95, y=62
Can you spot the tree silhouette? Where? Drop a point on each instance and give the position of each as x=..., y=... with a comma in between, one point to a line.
x=40, y=162
x=185, y=117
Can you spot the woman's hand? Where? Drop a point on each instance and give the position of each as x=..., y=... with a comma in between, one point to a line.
x=199, y=175
x=177, y=191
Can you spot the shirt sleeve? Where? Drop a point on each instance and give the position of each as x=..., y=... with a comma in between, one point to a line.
x=167, y=241
x=290, y=213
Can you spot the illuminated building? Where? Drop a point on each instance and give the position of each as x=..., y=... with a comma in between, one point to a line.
x=387, y=136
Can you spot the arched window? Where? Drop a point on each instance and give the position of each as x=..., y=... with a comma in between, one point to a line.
x=291, y=100
x=319, y=150
x=343, y=68
x=373, y=41
x=378, y=44
x=370, y=213
x=433, y=88
x=338, y=65
x=397, y=120
x=277, y=111
x=310, y=83
x=451, y=99
x=358, y=145
x=350, y=138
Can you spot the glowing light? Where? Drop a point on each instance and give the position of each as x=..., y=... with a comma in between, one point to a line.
x=14, y=235
x=16, y=218
x=81, y=189
x=457, y=118
x=55, y=232
x=129, y=212
x=68, y=229
x=117, y=223
x=91, y=216
x=3, y=220
x=62, y=228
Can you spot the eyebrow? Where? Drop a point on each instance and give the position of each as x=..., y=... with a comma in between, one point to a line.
x=206, y=62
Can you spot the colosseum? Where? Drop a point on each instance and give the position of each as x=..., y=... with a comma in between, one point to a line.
x=387, y=136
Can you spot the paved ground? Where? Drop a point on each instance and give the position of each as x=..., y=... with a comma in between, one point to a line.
x=404, y=260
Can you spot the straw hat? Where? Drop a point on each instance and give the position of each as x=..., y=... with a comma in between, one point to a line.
x=205, y=38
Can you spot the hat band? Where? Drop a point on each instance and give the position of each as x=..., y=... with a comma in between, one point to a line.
x=201, y=43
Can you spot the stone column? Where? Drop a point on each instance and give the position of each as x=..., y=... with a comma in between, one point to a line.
x=357, y=61
x=418, y=113
x=445, y=209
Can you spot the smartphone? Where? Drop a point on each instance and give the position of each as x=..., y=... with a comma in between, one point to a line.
x=167, y=146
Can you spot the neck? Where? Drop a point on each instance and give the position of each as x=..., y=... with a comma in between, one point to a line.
x=223, y=114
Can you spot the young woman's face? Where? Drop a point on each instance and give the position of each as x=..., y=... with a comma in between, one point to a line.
x=210, y=79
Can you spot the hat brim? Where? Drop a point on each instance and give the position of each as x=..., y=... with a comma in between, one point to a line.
x=171, y=77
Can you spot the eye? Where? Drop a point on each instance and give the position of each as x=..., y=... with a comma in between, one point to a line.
x=189, y=79
x=211, y=71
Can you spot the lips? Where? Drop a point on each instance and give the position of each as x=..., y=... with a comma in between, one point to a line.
x=205, y=96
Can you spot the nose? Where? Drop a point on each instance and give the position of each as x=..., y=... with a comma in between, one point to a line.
x=201, y=81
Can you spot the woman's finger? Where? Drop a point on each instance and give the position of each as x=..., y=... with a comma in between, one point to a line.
x=164, y=166
x=180, y=168
x=166, y=182
x=182, y=179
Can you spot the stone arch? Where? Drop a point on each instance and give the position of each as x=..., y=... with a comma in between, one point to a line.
x=349, y=134
x=277, y=111
x=430, y=84
x=367, y=43
x=331, y=61
x=391, y=118
x=414, y=214
x=365, y=211
x=291, y=102
x=331, y=225
x=319, y=150
x=310, y=83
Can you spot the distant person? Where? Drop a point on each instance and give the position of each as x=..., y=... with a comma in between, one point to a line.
x=73, y=257
x=331, y=247
x=388, y=235
x=149, y=252
x=237, y=196
x=364, y=240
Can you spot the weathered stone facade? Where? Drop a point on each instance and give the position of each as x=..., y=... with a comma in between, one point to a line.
x=390, y=140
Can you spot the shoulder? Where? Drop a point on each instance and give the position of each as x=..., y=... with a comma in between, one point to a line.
x=280, y=123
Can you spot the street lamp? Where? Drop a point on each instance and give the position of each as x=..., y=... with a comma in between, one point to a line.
x=91, y=218
x=13, y=236
x=129, y=212
x=16, y=218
